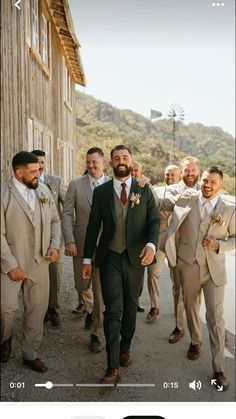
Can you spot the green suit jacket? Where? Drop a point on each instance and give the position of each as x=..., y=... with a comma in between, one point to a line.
x=142, y=223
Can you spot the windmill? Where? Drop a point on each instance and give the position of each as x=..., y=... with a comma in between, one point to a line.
x=176, y=113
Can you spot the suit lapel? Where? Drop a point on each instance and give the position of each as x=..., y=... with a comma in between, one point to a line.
x=110, y=196
x=21, y=201
x=182, y=212
x=87, y=189
x=41, y=196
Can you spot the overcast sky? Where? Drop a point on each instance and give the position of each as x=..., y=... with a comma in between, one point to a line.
x=142, y=54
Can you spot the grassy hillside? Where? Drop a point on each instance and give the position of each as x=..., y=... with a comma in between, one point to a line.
x=101, y=124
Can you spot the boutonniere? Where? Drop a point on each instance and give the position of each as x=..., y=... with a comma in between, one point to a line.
x=49, y=185
x=217, y=220
x=135, y=199
x=43, y=199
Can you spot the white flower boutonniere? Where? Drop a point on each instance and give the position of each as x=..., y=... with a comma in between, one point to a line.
x=135, y=199
x=217, y=220
x=43, y=199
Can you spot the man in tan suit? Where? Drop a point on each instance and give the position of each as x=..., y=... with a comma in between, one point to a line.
x=58, y=191
x=30, y=240
x=202, y=229
x=171, y=177
x=190, y=172
x=75, y=216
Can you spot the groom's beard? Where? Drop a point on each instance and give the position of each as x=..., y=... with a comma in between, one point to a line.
x=124, y=172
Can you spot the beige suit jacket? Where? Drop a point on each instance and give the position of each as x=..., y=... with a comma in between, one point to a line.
x=17, y=227
x=57, y=188
x=76, y=211
x=224, y=234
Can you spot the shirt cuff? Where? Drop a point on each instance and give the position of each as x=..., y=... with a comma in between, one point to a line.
x=153, y=247
x=87, y=261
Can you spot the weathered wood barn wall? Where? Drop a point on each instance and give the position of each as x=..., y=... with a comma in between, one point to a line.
x=40, y=67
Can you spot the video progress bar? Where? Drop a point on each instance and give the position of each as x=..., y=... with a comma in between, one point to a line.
x=49, y=385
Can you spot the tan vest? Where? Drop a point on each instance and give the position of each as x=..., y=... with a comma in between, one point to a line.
x=191, y=234
x=118, y=243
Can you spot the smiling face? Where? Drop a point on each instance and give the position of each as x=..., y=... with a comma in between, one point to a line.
x=28, y=175
x=137, y=171
x=122, y=163
x=211, y=184
x=190, y=173
x=172, y=176
x=95, y=165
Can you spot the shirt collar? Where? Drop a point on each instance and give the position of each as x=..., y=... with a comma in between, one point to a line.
x=117, y=182
x=21, y=187
x=212, y=201
x=42, y=177
x=100, y=180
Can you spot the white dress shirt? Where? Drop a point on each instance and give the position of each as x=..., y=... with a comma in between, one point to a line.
x=96, y=182
x=212, y=203
x=24, y=191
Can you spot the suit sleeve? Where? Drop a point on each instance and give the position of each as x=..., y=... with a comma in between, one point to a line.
x=93, y=227
x=67, y=219
x=229, y=244
x=55, y=238
x=153, y=220
x=8, y=261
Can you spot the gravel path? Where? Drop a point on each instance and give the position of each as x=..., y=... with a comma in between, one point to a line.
x=66, y=353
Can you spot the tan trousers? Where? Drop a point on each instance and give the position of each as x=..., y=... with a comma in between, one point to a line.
x=153, y=278
x=55, y=276
x=91, y=296
x=178, y=297
x=35, y=299
x=214, y=300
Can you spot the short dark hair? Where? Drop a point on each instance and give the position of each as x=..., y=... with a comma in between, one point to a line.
x=215, y=169
x=22, y=159
x=120, y=147
x=38, y=153
x=95, y=150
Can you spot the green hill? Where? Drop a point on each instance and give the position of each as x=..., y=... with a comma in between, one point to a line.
x=101, y=124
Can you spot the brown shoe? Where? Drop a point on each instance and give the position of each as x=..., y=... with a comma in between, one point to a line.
x=176, y=335
x=5, y=350
x=54, y=317
x=193, y=352
x=88, y=321
x=95, y=344
x=220, y=382
x=81, y=309
x=153, y=313
x=36, y=365
x=112, y=376
x=125, y=358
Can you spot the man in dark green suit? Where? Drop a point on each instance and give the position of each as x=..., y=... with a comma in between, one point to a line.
x=130, y=227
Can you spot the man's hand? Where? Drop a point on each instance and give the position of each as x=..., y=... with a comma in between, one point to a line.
x=211, y=244
x=86, y=271
x=147, y=255
x=52, y=255
x=16, y=274
x=70, y=249
x=143, y=181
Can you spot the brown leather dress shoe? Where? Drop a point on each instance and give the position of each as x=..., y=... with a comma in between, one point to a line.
x=95, y=344
x=193, y=352
x=54, y=317
x=112, y=376
x=125, y=359
x=36, y=365
x=220, y=381
x=176, y=335
x=5, y=350
x=152, y=315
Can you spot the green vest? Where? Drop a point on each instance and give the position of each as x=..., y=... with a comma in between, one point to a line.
x=118, y=243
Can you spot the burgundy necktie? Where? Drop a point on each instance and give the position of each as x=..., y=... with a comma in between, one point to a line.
x=123, y=196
